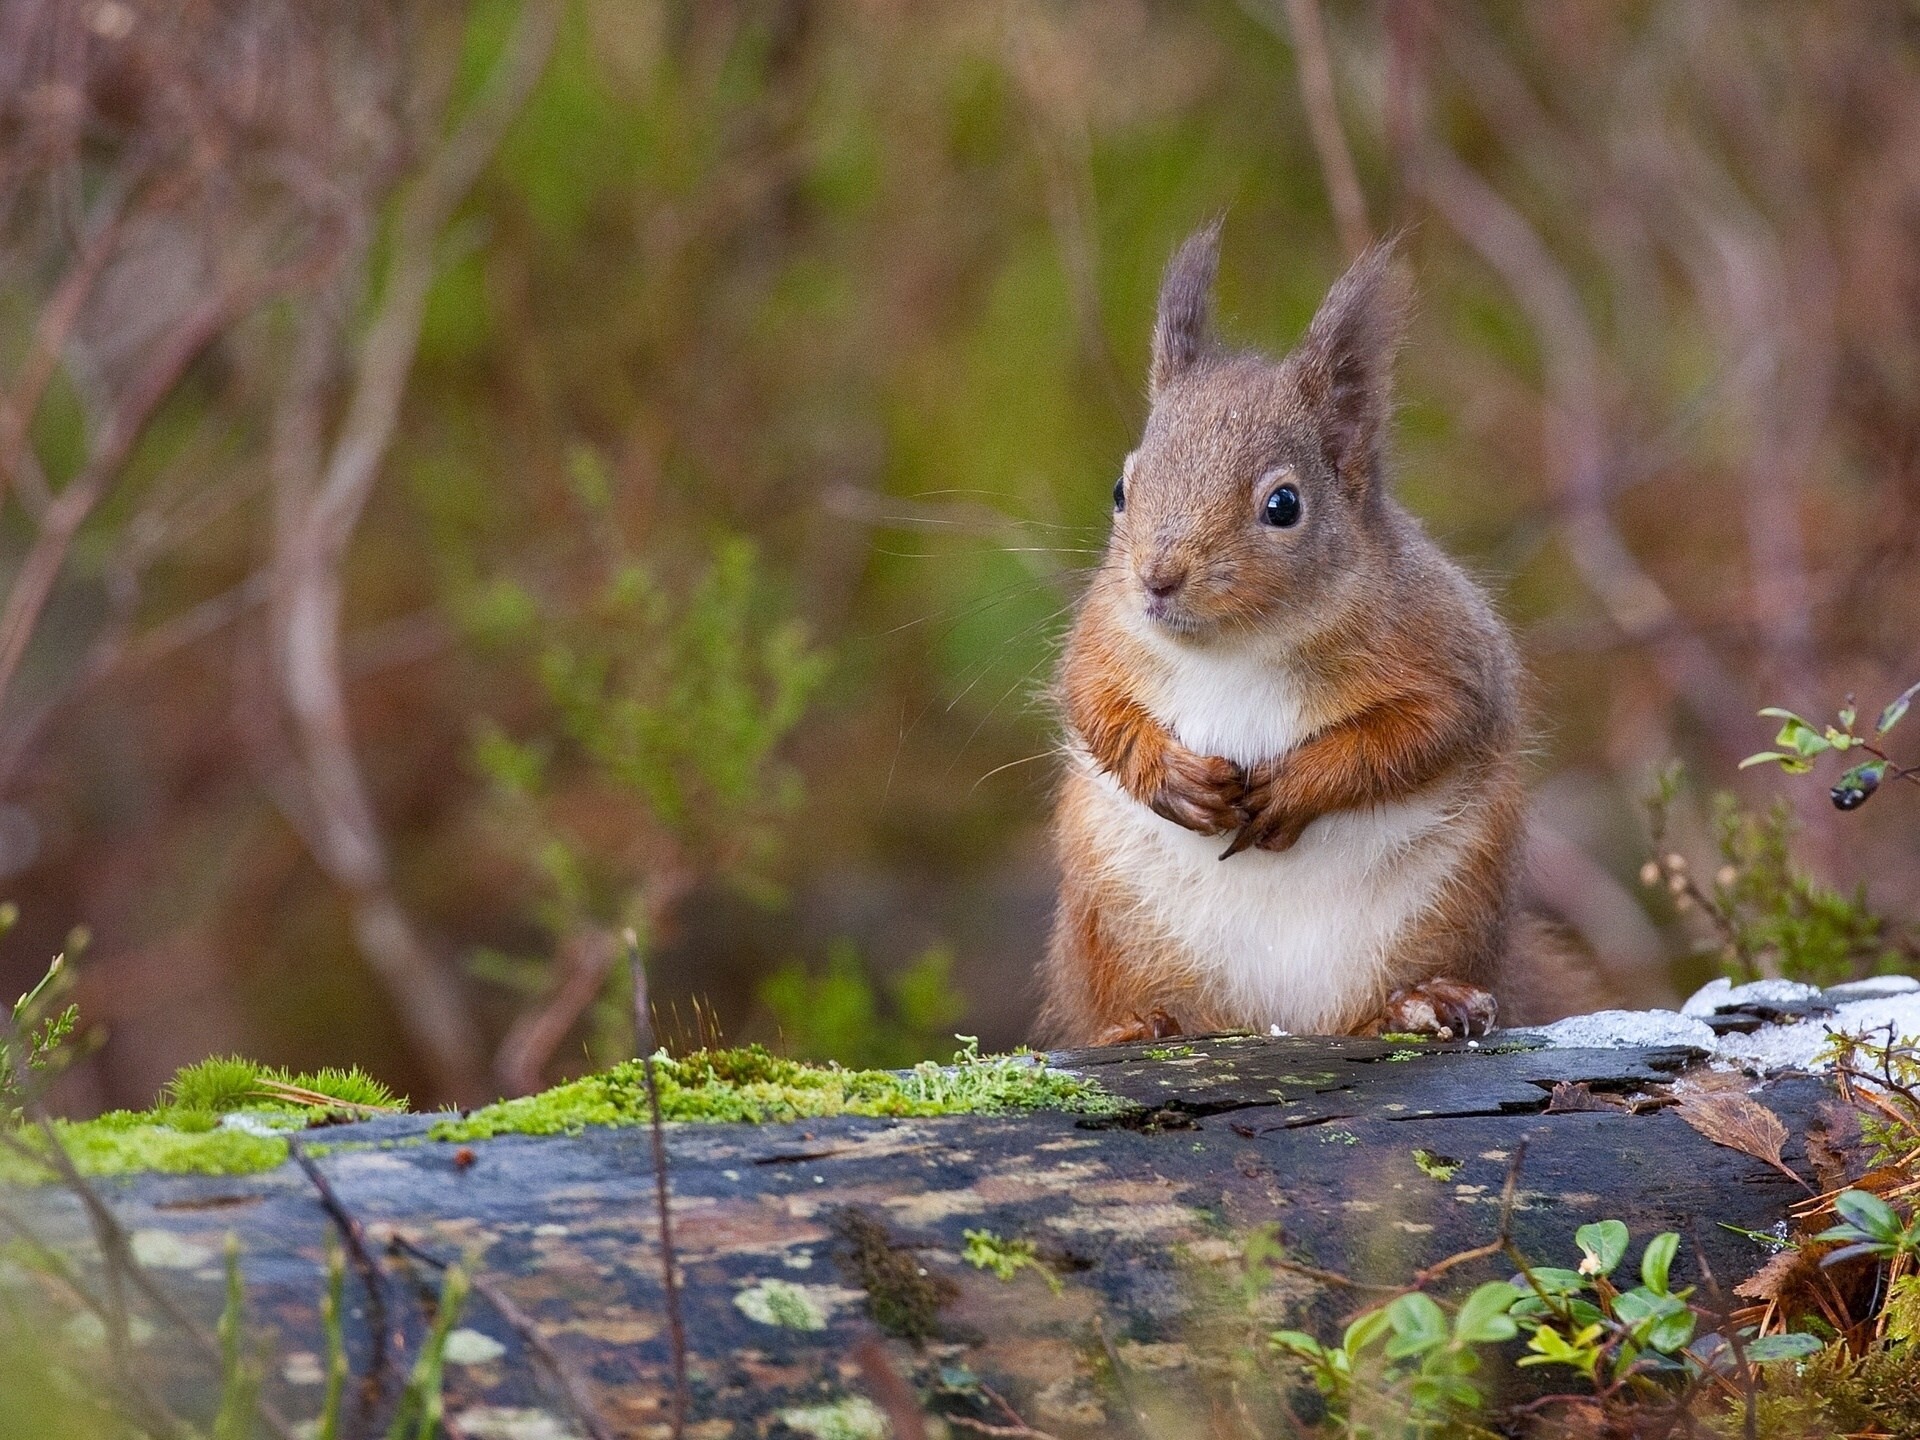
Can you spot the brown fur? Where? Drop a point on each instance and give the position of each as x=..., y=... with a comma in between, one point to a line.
x=1406, y=677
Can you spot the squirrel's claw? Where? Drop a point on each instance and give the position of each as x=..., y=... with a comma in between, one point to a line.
x=1444, y=1008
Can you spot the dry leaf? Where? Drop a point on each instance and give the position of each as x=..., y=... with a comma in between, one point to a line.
x=1781, y=1276
x=1730, y=1117
x=1574, y=1096
x=1833, y=1143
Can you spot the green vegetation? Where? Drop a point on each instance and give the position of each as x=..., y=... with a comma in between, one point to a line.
x=1803, y=743
x=224, y=1084
x=839, y=1015
x=670, y=698
x=1405, y=1368
x=1758, y=912
x=1436, y=1167
x=1006, y=1258
x=183, y=1134
x=754, y=1085
x=781, y=1303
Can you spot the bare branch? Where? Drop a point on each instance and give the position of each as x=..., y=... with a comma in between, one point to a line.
x=314, y=526
x=1315, y=64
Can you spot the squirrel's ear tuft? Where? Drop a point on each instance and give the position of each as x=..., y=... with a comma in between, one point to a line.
x=1182, y=329
x=1344, y=366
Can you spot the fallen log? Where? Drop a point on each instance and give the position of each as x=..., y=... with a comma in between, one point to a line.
x=1072, y=1274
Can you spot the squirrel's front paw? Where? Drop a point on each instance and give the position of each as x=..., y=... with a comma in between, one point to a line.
x=1199, y=792
x=1447, y=1009
x=1267, y=820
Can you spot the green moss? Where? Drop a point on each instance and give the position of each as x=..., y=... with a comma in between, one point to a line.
x=126, y=1142
x=755, y=1086
x=225, y=1083
x=1436, y=1167
x=903, y=1297
x=182, y=1134
x=856, y=1418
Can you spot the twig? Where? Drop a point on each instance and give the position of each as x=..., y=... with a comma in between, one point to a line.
x=1315, y=66
x=1125, y=1387
x=586, y=957
x=523, y=1325
x=354, y=1235
x=669, y=1279
x=315, y=519
x=891, y=1393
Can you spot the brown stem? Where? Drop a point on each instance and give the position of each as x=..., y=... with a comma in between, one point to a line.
x=1323, y=124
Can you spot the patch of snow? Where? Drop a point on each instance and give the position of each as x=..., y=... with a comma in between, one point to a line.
x=247, y=1124
x=1717, y=994
x=1872, y=988
x=1622, y=1029
x=1862, y=1009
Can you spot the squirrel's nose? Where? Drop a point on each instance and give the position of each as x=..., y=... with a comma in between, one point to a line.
x=1163, y=579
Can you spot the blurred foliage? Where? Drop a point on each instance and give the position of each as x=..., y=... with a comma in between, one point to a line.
x=835, y=313
x=654, y=765
x=838, y=1015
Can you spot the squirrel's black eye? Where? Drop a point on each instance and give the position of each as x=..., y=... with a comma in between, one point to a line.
x=1283, y=507
x=1119, y=494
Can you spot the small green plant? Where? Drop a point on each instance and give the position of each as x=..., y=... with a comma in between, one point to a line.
x=1006, y=1258
x=839, y=1015
x=222, y=1084
x=1759, y=913
x=1406, y=1356
x=751, y=1084
x=1869, y=1226
x=1802, y=743
x=664, y=693
x=1404, y=1368
x=239, y=1372
x=423, y=1402
x=37, y=1041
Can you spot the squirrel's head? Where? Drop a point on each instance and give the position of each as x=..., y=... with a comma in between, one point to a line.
x=1249, y=498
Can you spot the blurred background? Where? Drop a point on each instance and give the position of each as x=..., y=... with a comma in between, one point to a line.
x=479, y=479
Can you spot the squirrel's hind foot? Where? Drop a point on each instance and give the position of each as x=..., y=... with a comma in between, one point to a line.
x=1156, y=1024
x=1446, y=1009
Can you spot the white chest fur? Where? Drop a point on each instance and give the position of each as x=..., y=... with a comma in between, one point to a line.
x=1296, y=939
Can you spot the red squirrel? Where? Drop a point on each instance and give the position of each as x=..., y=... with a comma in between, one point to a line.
x=1293, y=796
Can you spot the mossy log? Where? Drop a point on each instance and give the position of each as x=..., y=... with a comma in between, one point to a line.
x=823, y=1265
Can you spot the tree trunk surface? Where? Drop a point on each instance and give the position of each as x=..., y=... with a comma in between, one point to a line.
x=798, y=1247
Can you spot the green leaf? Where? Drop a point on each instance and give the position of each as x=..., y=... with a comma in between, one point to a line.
x=1553, y=1280
x=1604, y=1243
x=1870, y=1213
x=1418, y=1326
x=1765, y=757
x=1896, y=708
x=1364, y=1331
x=1483, y=1318
x=1658, y=1260
x=1442, y=1392
x=1662, y=1321
x=1791, y=1346
x=1297, y=1342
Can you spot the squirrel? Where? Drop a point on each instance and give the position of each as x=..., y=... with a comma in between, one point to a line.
x=1293, y=798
